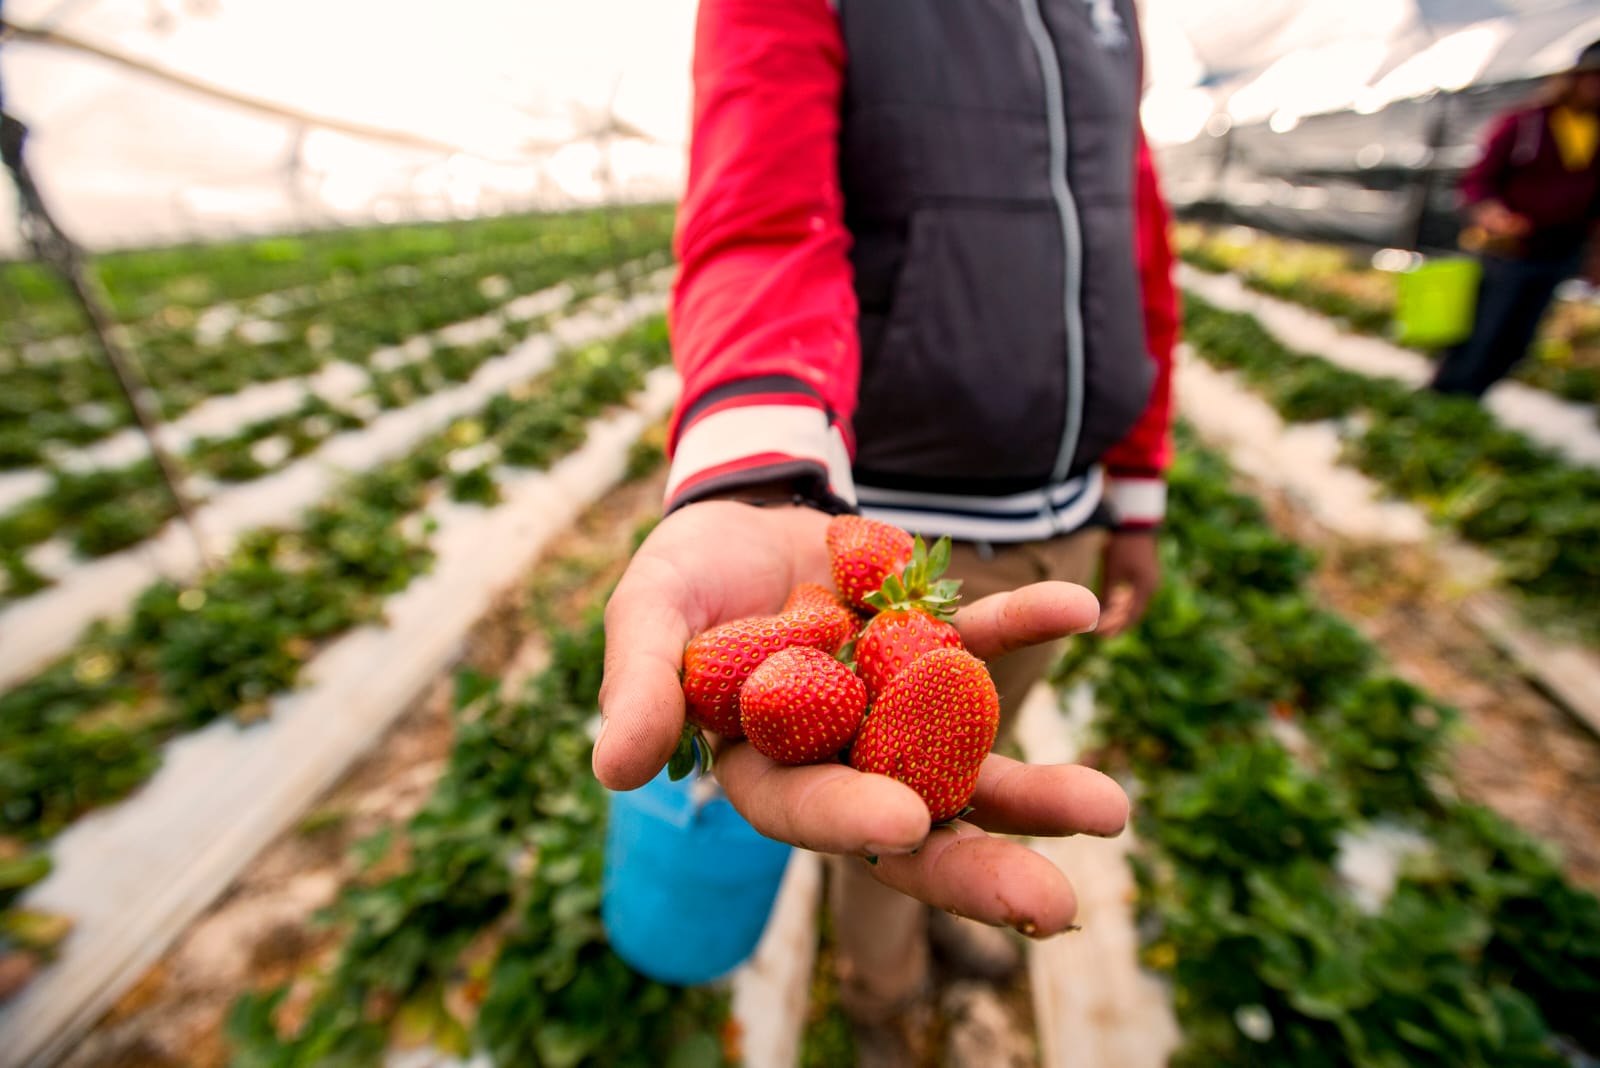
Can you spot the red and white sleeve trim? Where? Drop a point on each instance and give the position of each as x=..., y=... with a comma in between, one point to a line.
x=1136, y=502
x=729, y=446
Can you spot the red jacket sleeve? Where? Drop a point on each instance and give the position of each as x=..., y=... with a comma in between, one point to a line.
x=1135, y=465
x=1482, y=180
x=763, y=310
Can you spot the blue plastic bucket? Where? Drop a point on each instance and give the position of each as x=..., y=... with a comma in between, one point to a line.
x=688, y=883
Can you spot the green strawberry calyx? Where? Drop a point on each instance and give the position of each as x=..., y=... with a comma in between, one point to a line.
x=919, y=586
x=693, y=753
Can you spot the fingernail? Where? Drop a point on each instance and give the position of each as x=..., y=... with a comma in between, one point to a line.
x=888, y=851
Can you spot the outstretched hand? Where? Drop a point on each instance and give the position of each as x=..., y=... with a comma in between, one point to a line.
x=716, y=561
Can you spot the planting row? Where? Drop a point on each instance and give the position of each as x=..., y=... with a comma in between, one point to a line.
x=74, y=400
x=1534, y=512
x=1272, y=752
x=102, y=511
x=146, y=286
x=484, y=936
x=1269, y=746
x=1336, y=282
x=90, y=727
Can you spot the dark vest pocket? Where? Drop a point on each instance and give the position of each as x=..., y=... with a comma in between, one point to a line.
x=965, y=377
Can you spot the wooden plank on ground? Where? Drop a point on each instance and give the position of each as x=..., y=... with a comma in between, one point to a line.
x=1094, y=1006
x=1567, y=673
x=772, y=990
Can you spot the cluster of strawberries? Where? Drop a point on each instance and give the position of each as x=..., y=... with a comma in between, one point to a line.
x=875, y=672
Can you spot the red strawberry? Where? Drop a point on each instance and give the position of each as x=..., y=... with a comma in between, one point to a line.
x=913, y=607
x=813, y=595
x=801, y=706
x=863, y=553
x=892, y=641
x=931, y=729
x=716, y=662
x=820, y=598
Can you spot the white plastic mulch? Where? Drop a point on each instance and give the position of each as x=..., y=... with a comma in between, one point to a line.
x=41, y=627
x=133, y=875
x=1565, y=426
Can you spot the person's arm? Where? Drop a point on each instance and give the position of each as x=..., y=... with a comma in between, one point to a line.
x=764, y=328
x=1136, y=466
x=763, y=313
x=1481, y=184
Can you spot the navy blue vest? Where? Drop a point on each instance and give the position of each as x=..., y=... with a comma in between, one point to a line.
x=987, y=162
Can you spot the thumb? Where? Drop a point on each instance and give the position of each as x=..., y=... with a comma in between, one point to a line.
x=641, y=697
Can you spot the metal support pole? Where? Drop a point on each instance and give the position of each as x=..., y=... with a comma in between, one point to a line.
x=1425, y=177
x=608, y=184
x=52, y=246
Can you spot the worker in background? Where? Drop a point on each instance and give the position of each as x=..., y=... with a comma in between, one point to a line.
x=1532, y=202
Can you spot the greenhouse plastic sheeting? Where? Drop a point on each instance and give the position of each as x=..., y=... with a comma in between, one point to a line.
x=1384, y=179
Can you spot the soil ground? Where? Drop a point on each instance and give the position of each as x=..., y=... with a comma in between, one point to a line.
x=1518, y=752
x=264, y=931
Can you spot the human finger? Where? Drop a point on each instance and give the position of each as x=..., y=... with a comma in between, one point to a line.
x=641, y=695
x=829, y=808
x=1119, y=612
x=1043, y=611
x=992, y=880
x=1047, y=800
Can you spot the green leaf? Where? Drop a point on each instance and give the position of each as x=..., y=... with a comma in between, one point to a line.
x=25, y=870
x=472, y=687
x=699, y=1050
x=685, y=757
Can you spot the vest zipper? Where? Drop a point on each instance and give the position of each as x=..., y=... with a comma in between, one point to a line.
x=1071, y=236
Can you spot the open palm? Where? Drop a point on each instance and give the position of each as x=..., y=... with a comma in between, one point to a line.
x=717, y=561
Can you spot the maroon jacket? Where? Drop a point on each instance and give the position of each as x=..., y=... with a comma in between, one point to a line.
x=1522, y=168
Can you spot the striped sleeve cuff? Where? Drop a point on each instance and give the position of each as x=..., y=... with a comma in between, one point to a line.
x=1136, y=502
x=755, y=439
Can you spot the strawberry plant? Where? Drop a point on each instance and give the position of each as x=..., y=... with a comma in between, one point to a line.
x=489, y=938
x=88, y=728
x=341, y=318
x=1565, y=360
x=1532, y=510
x=1482, y=953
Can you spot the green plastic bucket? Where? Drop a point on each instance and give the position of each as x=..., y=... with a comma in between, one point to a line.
x=1434, y=302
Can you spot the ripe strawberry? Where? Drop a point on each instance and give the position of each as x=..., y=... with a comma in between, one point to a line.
x=892, y=641
x=913, y=608
x=801, y=706
x=931, y=729
x=864, y=552
x=716, y=662
x=813, y=595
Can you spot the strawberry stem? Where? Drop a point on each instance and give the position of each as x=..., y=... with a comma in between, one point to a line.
x=693, y=752
x=919, y=585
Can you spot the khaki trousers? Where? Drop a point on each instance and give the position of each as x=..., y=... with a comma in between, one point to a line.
x=880, y=934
